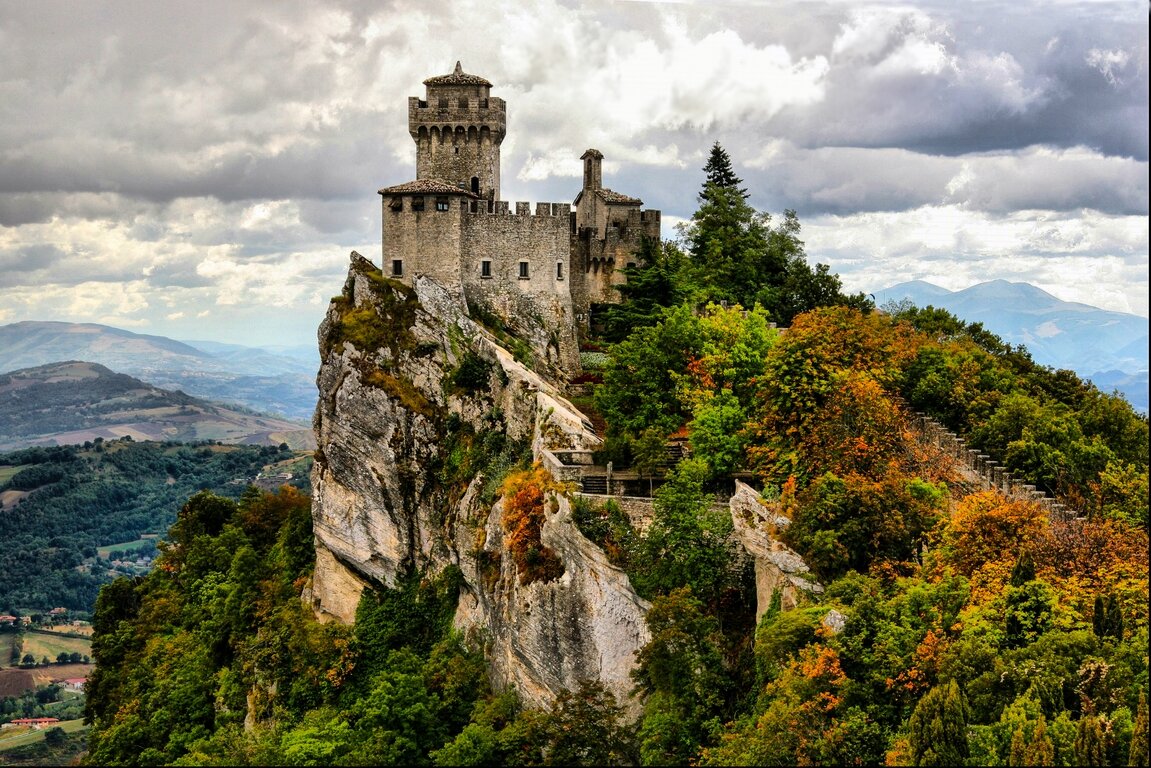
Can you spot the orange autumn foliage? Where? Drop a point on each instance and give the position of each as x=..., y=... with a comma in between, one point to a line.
x=925, y=662
x=525, y=494
x=858, y=429
x=989, y=528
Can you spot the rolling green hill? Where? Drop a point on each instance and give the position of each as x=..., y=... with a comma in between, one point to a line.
x=76, y=402
x=278, y=381
x=58, y=505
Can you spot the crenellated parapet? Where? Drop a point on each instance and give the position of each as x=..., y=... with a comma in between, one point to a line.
x=458, y=128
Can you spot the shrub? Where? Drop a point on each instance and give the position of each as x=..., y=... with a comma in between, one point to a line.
x=525, y=494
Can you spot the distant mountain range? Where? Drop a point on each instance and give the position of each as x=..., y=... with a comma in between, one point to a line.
x=1108, y=348
x=74, y=402
x=280, y=381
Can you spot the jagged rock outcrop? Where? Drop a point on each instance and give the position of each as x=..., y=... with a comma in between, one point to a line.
x=777, y=566
x=413, y=396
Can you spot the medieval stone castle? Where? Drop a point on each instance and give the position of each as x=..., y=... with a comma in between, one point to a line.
x=449, y=223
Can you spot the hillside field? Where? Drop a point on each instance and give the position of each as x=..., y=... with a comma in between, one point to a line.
x=41, y=644
x=7, y=640
x=10, y=738
x=144, y=542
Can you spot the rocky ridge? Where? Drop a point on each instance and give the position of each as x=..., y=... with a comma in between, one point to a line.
x=391, y=424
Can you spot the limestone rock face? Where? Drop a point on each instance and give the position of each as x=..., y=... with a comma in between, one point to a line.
x=410, y=386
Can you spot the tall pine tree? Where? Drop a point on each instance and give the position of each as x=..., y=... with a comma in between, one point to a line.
x=719, y=173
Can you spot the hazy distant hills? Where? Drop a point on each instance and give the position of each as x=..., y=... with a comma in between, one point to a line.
x=1109, y=348
x=280, y=381
x=74, y=402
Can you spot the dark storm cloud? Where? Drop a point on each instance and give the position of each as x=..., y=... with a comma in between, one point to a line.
x=977, y=77
x=232, y=101
x=842, y=180
x=30, y=258
x=339, y=164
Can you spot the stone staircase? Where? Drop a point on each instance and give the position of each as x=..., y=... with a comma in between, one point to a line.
x=594, y=484
x=977, y=471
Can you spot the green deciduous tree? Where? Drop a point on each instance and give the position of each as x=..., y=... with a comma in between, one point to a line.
x=687, y=543
x=587, y=727
x=683, y=670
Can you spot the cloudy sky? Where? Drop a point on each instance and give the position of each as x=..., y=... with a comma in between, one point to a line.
x=202, y=170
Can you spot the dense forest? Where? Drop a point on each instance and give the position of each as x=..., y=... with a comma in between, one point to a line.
x=955, y=626
x=64, y=502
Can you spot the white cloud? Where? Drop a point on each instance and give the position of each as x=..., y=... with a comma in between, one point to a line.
x=1110, y=63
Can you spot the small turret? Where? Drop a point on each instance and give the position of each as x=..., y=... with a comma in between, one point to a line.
x=592, y=170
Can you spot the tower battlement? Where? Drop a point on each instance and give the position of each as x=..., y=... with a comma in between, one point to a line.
x=503, y=208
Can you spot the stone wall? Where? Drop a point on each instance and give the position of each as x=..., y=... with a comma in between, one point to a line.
x=978, y=468
x=537, y=306
x=506, y=239
x=598, y=259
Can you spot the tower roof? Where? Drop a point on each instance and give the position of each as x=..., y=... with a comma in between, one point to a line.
x=458, y=77
x=426, y=187
x=609, y=197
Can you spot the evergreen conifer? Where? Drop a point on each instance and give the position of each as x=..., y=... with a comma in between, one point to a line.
x=1090, y=742
x=939, y=727
x=1137, y=754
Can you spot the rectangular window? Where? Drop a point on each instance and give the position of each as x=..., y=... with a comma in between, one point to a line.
x=417, y=203
x=397, y=267
x=485, y=268
x=523, y=270
x=443, y=103
x=463, y=102
x=441, y=203
x=559, y=270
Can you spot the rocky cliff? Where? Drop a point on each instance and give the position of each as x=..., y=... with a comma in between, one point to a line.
x=421, y=410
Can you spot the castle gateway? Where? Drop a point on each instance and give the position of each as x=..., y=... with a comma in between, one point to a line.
x=541, y=271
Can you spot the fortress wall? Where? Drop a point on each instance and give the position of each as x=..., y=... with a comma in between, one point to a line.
x=506, y=239
x=601, y=262
x=427, y=241
x=537, y=307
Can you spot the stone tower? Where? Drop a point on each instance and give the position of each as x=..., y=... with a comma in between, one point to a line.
x=458, y=128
